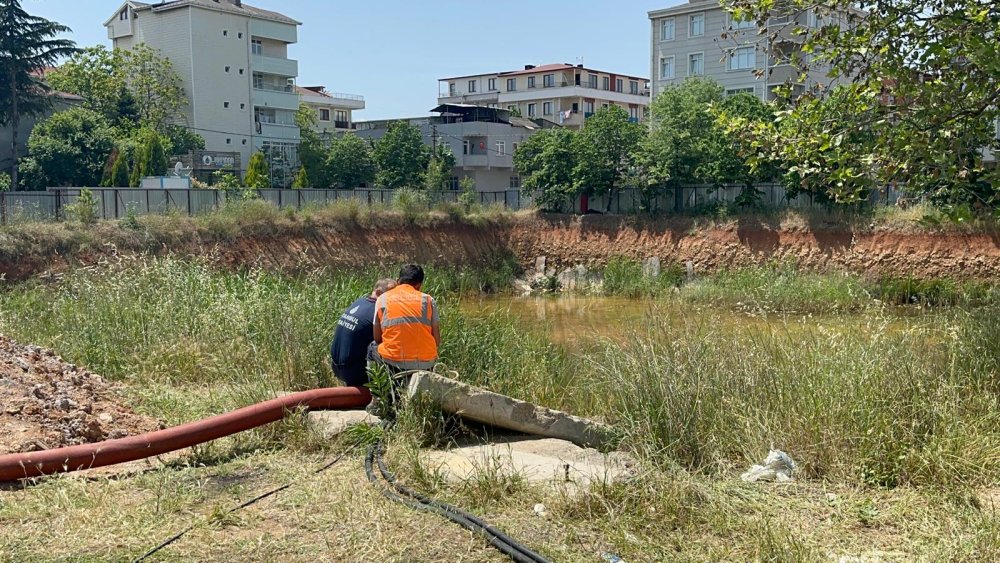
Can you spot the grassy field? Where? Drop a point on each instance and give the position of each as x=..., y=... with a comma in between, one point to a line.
x=891, y=412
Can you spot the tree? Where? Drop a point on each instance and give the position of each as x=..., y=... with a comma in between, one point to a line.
x=120, y=173
x=94, y=74
x=156, y=87
x=69, y=148
x=918, y=96
x=312, y=150
x=439, y=167
x=606, y=149
x=258, y=174
x=732, y=160
x=301, y=179
x=28, y=45
x=151, y=158
x=401, y=156
x=183, y=140
x=546, y=163
x=350, y=162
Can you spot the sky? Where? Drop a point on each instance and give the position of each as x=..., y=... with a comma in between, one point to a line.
x=393, y=52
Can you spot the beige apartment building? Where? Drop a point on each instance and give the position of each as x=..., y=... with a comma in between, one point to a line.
x=561, y=93
x=334, y=110
x=688, y=40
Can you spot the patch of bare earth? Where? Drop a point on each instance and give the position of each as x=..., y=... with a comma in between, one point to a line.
x=47, y=403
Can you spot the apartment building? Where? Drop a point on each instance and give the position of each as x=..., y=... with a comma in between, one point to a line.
x=699, y=38
x=560, y=93
x=233, y=61
x=334, y=111
x=483, y=140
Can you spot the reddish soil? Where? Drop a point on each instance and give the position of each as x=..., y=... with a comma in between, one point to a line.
x=588, y=240
x=47, y=403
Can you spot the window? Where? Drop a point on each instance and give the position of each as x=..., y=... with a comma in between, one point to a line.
x=588, y=108
x=324, y=114
x=242, y=71
x=531, y=82
x=619, y=85
x=465, y=146
x=227, y=69
x=531, y=110
x=734, y=91
x=453, y=183
x=742, y=58
x=452, y=89
x=515, y=182
x=257, y=47
x=492, y=84
x=512, y=85
x=667, y=29
x=576, y=107
x=633, y=112
x=123, y=15
x=258, y=81
x=225, y=105
x=742, y=24
x=606, y=83
x=605, y=106
x=225, y=33
x=592, y=81
x=513, y=147
x=547, y=108
x=666, y=68
x=501, y=148
x=549, y=80
x=240, y=36
x=472, y=86
x=696, y=26
x=229, y=141
x=696, y=64
x=243, y=107
x=341, y=116
x=633, y=87
x=244, y=141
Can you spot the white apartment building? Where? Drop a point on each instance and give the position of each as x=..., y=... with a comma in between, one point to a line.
x=687, y=40
x=334, y=111
x=233, y=61
x=561, y=93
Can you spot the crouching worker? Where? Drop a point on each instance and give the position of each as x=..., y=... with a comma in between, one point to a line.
x=406, y=329
x=354, y=333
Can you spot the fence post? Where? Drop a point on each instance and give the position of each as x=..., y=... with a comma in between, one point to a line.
x=3, y=208
x=117, y=195
x=299, y=194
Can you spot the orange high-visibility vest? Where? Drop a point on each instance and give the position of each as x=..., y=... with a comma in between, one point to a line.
x=407, y=317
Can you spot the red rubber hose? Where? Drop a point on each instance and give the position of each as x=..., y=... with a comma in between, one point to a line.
x=87, y=456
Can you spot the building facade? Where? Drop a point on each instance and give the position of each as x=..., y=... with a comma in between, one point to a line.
x=232, y=59
x=560, y=93
x=482, y=139
x=699, y=38
x=334, y=111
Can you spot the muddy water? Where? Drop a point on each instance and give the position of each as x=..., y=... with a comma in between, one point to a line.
x=579, y=320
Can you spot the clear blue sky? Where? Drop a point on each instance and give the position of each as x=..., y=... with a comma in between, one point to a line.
x=393, y=51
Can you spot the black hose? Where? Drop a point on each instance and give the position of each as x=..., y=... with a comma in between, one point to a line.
x=501, y=541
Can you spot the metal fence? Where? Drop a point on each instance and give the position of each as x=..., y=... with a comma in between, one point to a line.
x=115, y=203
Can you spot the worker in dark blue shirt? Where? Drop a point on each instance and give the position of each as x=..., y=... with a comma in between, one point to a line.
x=355, y=331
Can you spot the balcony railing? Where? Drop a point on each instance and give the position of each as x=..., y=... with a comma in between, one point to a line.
x=342, y=124
x=341, y=96
x=286, y=88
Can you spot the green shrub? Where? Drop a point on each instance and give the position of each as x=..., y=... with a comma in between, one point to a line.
x=84, y=209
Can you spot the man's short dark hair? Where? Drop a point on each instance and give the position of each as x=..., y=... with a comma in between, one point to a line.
x=411, y=273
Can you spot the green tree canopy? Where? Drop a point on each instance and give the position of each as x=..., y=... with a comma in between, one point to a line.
x=546, y=163
x=606, y=149
x=120, y=175
x=312, y=150
x=350, y=163
x=401, y=156
x=258, y=174
x=439, y=168
x=918, y=99
x=28, y=45
x=69, y=148
x=151, y=157
x=301, y=179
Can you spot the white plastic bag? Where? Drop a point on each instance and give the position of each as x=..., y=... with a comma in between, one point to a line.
x=778, y=466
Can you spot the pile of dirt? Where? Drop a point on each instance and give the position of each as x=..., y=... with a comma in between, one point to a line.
x=48, y=403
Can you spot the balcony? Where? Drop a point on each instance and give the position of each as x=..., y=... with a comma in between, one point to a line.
x=342, y=125
x=475, y=98
x=350, y=101
x=272, y=65
x=273, y=30
x=279, y=132
x=276, y=99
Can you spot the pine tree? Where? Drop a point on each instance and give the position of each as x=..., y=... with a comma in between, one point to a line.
x=157, y=163
x=301, y=179
x=120, y=172
x=27, y=46
x=258, y=174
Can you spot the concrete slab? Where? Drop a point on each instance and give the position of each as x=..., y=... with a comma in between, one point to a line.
x=537, y=460
x=333, y=423
x=496, y=410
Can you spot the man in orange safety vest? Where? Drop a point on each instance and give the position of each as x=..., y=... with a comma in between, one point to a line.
x=407, y=330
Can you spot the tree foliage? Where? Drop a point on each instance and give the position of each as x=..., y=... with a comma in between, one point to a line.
x=69, y=148
x=258, y=174
x=301, y=179
x=917, y=100
x=120, y=175
x=546, y=164
x=606, y=151
x=28, y=45
x=349, y=162
x=312, y=149
x=439, y=167
x=151, y=158
x=401, y=157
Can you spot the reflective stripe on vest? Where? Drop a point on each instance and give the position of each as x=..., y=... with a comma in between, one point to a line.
x=407, y=337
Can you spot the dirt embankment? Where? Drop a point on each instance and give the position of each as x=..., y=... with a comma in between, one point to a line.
x=48, y=403
x=565, y=241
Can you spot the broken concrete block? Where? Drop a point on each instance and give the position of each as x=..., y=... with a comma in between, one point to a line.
x=540, y=265
x=499, y=411
x=333, y=423
x=651, y=267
